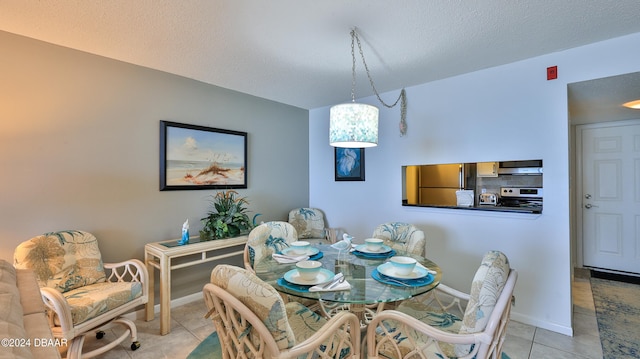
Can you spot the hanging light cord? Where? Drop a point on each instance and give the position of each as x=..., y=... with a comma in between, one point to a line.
x=402, y=97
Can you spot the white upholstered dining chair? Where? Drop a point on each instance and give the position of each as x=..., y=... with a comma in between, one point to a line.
x=252, y=321
x=438, y=324
x=81, y=293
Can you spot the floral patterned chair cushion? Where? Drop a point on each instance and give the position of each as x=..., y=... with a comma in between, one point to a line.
x=282, y=320
x=426, y=309
x=62, y=260
x=402, y=236
x=92, y=300
x=486, y=287
x=269, y=238
x=260, y=298
x=308, y=222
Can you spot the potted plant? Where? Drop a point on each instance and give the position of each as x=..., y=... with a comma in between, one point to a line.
x=227, y=217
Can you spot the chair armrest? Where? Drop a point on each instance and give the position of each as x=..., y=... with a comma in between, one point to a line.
x=56, y=302
x=132, y=270
x=452, y=292
x=343, y=321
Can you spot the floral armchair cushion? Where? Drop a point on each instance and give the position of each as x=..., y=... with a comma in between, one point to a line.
x=269, y=238
x=309, y=222
x=486, y=288
x=62, y=260
x=403, y=236
x=261, y=298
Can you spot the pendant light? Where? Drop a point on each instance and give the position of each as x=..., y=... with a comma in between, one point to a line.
x=355, y=125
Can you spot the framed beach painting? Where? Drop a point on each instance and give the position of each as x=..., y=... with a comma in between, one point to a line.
x=197, y=157
x=349, y=164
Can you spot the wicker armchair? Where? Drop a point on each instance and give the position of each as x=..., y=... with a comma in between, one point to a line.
x=82, y=294
x=252, y=321
x=429, y=326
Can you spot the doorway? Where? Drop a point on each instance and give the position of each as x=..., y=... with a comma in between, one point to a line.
x=597, y=104
x=608, y=195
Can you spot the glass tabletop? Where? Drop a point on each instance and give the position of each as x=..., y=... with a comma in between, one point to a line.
x=358, y=272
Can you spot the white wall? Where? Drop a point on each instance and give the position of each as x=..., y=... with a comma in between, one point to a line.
x=467, y=119
x=79, y=149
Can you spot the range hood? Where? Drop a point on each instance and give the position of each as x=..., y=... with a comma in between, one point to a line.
x=520, y=168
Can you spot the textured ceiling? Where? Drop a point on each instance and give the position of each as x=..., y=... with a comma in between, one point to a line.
x=298, y=51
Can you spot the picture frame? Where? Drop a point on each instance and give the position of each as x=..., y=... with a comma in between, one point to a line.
x=349, y=164
x=197, y=157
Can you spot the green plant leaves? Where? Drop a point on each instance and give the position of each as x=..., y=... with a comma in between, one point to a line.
x=228, y=217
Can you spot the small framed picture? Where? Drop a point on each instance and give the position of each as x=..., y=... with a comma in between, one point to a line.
x=349, y=164
x=197, y=157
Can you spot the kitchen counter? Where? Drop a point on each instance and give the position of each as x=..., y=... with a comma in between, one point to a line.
x=488, y=208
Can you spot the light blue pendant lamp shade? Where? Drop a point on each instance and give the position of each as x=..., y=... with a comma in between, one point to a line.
x=353, y=125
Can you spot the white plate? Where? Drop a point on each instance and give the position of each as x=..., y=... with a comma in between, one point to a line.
x=310, y=252
x=390, y=271
x=363, y=248
x=293, y=276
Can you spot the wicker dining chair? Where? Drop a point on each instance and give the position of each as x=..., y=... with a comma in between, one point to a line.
x=266, y=239
x=252, y=321
x=437, y=325
x=402, y=236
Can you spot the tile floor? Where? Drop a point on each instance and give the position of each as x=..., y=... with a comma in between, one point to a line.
x=188, y=328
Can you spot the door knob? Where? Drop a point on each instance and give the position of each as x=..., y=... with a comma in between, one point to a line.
x=587, y=196
x=589, y=205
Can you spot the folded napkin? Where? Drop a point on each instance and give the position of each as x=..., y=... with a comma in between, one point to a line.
x=285, y=259
x=336, y=284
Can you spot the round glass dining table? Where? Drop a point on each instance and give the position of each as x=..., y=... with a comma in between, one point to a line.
x=358, y=271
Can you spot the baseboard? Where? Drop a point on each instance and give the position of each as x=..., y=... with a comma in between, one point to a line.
x=140, y=313
x=524, y=319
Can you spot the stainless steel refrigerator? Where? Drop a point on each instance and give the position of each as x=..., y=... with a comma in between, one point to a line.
x=436, y=185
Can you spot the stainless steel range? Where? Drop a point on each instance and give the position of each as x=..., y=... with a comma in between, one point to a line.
x=521, y=197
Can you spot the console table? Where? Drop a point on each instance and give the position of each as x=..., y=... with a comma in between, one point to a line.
x=160, y=255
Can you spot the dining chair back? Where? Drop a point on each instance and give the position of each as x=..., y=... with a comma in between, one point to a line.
x=252, y=321
x=266, y=239
x=309, y=222
x=439, y=325
x=82, y=293
x=402, y=236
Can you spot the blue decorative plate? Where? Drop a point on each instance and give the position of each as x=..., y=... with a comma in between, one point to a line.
x=310, y=252
x=293, y=276
x=312, y=257
x=428, y=279
x=375, y=255
x=362, y=248
x=387, y=269
x=298, y=288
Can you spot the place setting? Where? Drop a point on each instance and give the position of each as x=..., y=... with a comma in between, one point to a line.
x=373, y=248
x=310, y=276
x=404, y=272
x=297, y=251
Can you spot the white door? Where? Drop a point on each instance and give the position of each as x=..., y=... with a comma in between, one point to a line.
x=611, y=196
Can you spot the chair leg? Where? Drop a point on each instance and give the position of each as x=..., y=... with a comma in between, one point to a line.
x=74, y=349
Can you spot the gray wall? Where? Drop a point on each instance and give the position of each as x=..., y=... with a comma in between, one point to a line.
x=79, y=149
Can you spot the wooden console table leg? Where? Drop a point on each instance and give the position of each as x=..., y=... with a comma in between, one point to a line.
x=165, y=295
x=149, y=307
